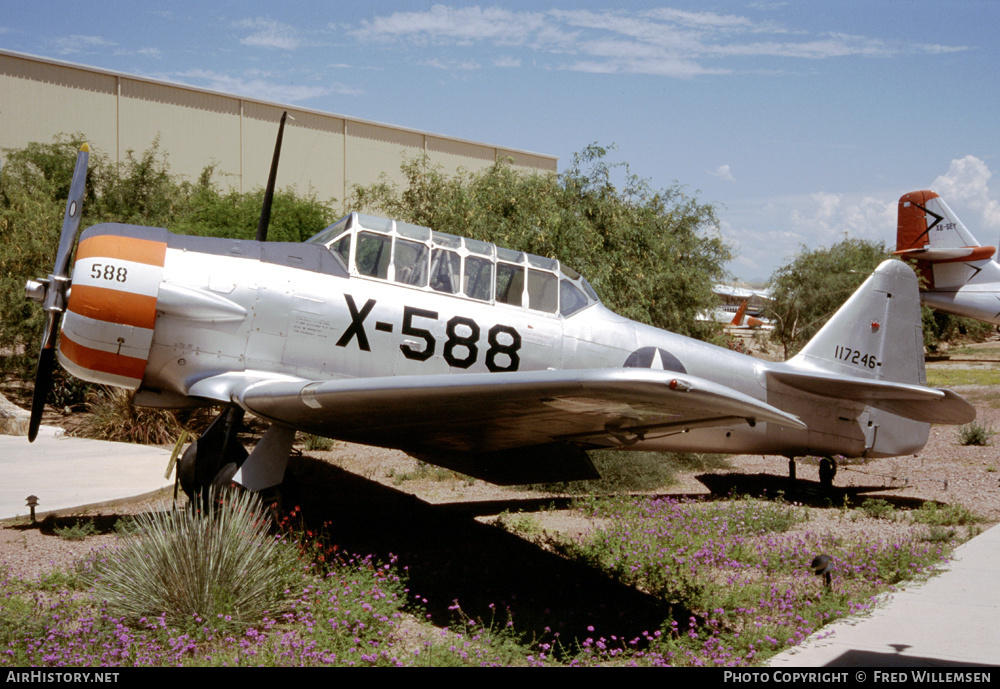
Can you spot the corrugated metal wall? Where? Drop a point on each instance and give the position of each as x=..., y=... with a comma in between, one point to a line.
x=116, y=113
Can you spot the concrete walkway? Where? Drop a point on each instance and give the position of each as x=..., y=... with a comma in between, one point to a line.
x=951, y=620
x=68, y=472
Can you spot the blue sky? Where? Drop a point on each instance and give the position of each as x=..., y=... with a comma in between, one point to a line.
x=804, y=121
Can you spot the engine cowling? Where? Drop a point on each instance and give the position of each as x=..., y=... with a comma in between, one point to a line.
x=107, y=329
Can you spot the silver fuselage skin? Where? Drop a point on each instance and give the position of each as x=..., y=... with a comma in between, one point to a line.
x=223, y=307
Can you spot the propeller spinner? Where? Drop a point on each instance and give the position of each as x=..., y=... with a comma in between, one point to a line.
x=53, y=292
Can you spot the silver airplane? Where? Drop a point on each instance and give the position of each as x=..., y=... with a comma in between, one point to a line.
x=498, y=363
x=961, y=277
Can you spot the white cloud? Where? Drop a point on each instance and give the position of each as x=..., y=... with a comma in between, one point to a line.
x=269, y=34
x=256, y=87
x=700, y=19
x=824, y=219
x=453, y=65
x=723, y=172
x=967, y=184
x=67, y=45
x=506, y=62
x=448, y=24
x=665, y=42
x=769, y=232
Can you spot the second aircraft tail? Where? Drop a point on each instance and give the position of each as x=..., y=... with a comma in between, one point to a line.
x=947, y=254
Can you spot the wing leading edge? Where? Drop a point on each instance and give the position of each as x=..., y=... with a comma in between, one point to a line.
x=496, y=411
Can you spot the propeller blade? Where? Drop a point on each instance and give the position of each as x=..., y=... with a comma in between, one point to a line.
x=265, y=211
x=74, y=207
x=43, y=383
x=55, y=290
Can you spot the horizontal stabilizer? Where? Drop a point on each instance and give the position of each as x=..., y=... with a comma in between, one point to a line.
x=963, y=253
x=930, y=405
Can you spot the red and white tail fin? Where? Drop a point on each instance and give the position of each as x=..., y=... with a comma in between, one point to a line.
x=947, y=254
x=740, y=313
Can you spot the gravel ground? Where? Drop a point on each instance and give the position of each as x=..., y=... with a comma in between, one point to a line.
x=944, y=472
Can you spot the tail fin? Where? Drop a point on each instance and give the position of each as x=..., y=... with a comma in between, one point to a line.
x=740, y=313
x=947, y=254
x=872, y=352
x=876, y=334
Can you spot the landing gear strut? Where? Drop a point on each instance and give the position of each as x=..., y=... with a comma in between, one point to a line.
x=827, y=471
x=217, y=458
x=214, y=458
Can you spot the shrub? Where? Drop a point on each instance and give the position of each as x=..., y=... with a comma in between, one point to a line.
x=192, y=565
x=316, y=442
x=975, y=434
x=77, y=532
x=622, y=471
x=945, y=515
x=114, y=417
x=876, y=508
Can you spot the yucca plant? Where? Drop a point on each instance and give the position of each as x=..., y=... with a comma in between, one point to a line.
x=192, y=565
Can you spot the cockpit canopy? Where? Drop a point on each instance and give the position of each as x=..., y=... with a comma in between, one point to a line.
x=421, y=258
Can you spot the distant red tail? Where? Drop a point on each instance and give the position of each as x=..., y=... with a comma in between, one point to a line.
x=738, y=318
x=929, y=232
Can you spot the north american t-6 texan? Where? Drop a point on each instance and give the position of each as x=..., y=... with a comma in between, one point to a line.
x=494, y=362
x=961, y=277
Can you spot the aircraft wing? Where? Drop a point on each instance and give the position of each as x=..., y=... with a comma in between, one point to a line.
x=496, y=411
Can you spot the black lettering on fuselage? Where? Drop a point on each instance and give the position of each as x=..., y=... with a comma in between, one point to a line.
x=357, y=327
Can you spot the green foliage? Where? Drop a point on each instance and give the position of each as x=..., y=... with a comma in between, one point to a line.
x=652, y=256
x=210, y=212
x=933, y=514
x=77, y=532
x=975, y=433
x=738, y=572
x=114, y=417
x=428, y=472
x=876, y=508
x=139, y=191
x=942, y=327
x=808, y=289
x=68, y=392
x=624, y=471
x=191, y=565
x=524, y=524
x=316, y=442
x=949, y=377
x=34, y=185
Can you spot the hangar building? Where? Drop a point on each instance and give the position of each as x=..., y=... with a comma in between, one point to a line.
x=329, y=154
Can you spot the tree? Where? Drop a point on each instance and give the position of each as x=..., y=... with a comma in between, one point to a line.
x=809, y=288
x=652, y=256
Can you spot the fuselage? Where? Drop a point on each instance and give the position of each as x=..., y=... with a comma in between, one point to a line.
x=160, y=312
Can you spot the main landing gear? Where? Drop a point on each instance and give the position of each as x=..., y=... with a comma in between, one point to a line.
x=218, y=458
x=827, y=472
